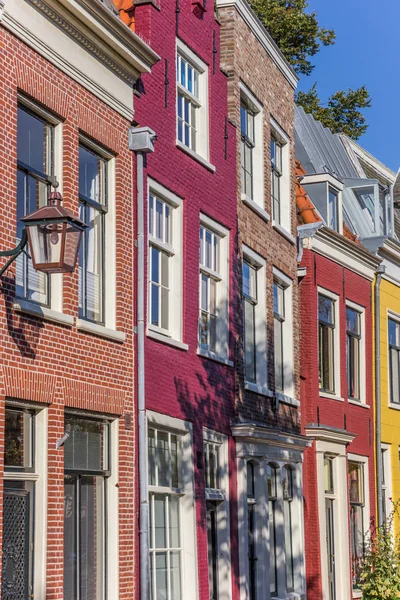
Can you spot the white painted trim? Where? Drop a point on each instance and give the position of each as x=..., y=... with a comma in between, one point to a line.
x=258, y=150
x=190, y=56
x=215, y=357
x=30, y=308
x=337, y=355
x=168, y=423
x=288, y=338
x=283, y=399
x=222, y=290
x=373, y=162
x=155, y=335
x=387, y=467
x=263, y=37
x=255, y=258
x=363, y=375
x=256, y=208
x=112, y=518
x=223, y=516
x=285, y=226
x=330, y=396
x=196, y=156
x=95, y=329
x=322, y=178
x=262, y=390
x=175, y=307
x=40, y=510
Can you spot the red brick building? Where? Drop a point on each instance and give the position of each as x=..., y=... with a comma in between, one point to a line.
x=66, y=384
x=336, y=390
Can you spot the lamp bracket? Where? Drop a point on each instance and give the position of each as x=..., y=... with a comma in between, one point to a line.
x=14, y=252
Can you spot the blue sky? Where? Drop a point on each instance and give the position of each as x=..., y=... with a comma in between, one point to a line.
x=366, y=52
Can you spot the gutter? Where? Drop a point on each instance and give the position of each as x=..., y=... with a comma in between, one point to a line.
x=141, y=142
x=378, y=431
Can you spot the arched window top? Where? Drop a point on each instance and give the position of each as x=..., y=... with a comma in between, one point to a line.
x=272, y=471
x=287, y=482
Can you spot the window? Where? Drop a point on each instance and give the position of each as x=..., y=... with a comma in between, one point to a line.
x=333, y=218
x=279, y=320
x=92, y=211
x=86, y=467
x=272, y=512
x=330, y=515
x=287, y=484
x=353, y=343
x=326, y=336
x=386, y=482
x=251, y=530
x=280, y=177
x=214, y=273
x=191, y=99
x=276, y=174
x=254, y=321
x=164, y=262
x=35, y=174
x=24, y=502
x=212, y=465
x=246, y=148
x=283, y=334
x=394, y=358
x=212, y=482
x=356, y=495
x=170, y=471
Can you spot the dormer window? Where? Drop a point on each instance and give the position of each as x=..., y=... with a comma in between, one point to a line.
x=366, y=192
x=325, y=192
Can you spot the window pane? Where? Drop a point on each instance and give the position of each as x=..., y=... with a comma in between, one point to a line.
x=174, y=522
x=278, y=350
x=328, y=475
x=326, y=310
x=86, y=448
x=34, y=142
x=152, y=456
x=91, y=176
x=70, y=537
x=18, y=439
x=174, y=461
x=160, y=533
x=91, y=520
x=151, y=214
x=155, y=266
x=208, y=249
x=161, y=576
x=175, y=575
x=159, y=219
x=352, y=321
x=288, y=545
x=94, y=263
x=249, y=341
x=394, y=375
x=393, y=333
x=272, y=543
x=163, y=457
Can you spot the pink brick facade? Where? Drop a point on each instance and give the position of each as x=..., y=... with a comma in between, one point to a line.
x=179, y=382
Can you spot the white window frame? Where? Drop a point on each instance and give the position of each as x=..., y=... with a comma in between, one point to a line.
x=260, y=386
x=387, y=468
x=174, y=249
x=363, y=375
x=257, y=201
x=336, y=451
x=336, y=345
x=394, y=317
x=330, y=182
x=223, y=513
x=109, y=284
x=55, y=280
x=202, y=151
x=288, y=343
x=222, y=290
x=363, y=460
x=40, y=478
x=183, y=429
x=285, y=222
x=262, y=455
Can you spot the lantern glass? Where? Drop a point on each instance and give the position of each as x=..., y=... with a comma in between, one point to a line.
x=54, y=246
x=72, y=243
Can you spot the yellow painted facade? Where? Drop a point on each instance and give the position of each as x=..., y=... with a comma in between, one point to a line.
x=390, y=417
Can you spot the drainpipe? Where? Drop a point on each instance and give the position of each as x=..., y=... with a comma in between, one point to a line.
x=141, y=141
x=378, y=436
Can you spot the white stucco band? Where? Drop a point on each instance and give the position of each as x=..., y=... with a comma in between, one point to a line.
x=97, y=51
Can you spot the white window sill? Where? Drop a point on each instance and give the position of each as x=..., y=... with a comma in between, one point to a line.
x=258, y=389
x=196, y=156
x=359, y=403
x=284, y=232
x=357, y=594
x=100, y=330
x=286, y=399
x=159, y=337
x=30, y=308
x=330, y=396
x=211, y=356
x=394, y=405
x=256, y=208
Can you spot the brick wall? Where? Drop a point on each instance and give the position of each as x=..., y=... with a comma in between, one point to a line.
x=54, y=364
x=357, y=420
x=180, y=383
x=244, y=59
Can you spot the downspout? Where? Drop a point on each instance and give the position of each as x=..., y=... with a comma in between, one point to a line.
x=378, y=433
x=141, y=141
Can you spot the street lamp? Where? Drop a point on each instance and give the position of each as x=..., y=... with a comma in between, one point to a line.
x=54, y=236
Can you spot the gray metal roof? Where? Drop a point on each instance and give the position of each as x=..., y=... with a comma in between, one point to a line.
x=321, y=151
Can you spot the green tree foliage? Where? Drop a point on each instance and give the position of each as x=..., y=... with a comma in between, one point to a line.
x=300, y=37
x=379, y=574
x=296, y=32
x=342, y=113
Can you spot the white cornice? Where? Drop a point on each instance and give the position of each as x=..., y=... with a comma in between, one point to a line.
x=367, y=157
x=329, y=434
x=249, y=432
x=344, y=252
x=262, y=36
x=2, y=5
